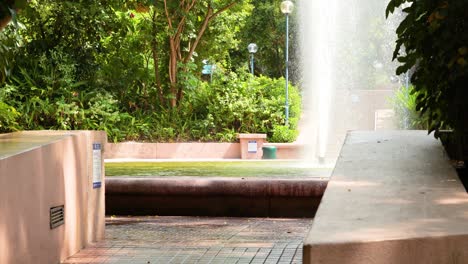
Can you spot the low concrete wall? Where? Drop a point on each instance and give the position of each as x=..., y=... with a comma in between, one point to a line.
x=214, y=196
x=44, y=169
x=135, y=150
x=393, y=197
x=288, y=150
x=351, y=110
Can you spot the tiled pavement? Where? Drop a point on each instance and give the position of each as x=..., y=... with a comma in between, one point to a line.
x=173, y=239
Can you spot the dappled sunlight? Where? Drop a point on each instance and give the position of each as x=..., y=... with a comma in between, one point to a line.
x=14, y=143
x=405, y=229
x=454, y=199
x=176, y=239
x=353, y=183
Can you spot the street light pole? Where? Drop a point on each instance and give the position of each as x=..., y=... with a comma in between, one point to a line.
x=252, y=63
x=252, y=47
x=286, y=8
x=287, y=71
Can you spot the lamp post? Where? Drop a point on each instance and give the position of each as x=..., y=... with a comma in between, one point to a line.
x=286, y=8
x=252, y=47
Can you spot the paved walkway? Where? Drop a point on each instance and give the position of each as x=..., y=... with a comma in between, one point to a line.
x=173, y=239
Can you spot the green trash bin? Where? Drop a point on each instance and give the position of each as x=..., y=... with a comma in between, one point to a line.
x=269, y=152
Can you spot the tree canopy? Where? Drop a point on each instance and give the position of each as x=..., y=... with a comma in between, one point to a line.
x=433, y=41
x=133, y=68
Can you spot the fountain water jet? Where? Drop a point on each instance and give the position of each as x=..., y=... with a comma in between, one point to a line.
x=317, y=50
x=340, y=42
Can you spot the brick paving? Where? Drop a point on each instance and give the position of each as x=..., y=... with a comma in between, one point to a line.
x=174, y=239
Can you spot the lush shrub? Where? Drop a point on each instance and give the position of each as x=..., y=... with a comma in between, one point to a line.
x=404, y=105
x=236, y=103
x=8, y=117
x=87, y=110
x=78, y=65
x=218, y=111
x=283, y=134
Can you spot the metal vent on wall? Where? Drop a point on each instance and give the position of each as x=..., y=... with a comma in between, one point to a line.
x=57, y=216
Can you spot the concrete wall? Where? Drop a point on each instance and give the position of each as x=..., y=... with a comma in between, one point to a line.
x=350, y=110
x=355, y=110
x=134, y=150
x=288, y=150
x=137, y=150
x=40, y=170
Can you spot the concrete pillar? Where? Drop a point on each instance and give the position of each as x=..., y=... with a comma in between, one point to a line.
x=251, y=145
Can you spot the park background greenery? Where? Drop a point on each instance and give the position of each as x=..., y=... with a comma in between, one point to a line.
x=133, y=69
x=433, y=43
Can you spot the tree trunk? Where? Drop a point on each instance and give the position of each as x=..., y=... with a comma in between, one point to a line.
x=176, y=54
x=154, y=50
x=173, y=71
x=7, y=17
x=4, y=21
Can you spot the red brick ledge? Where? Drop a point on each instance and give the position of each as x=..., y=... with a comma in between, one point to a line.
x=214, y=197
x=195, y=186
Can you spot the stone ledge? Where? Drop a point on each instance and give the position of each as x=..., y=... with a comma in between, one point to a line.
x=286, y=145
x=193, y=186
x=137, y=150
x=253, y=136
x=392, y=198
x=288, y=150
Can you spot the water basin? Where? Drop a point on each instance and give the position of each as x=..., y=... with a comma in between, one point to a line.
x=271, y=169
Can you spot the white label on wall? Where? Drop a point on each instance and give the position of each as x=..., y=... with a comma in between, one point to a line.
x=252, y=146
x=97, y=165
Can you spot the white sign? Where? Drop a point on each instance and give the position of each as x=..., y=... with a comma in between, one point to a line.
x=252, y=146
x=97, y=165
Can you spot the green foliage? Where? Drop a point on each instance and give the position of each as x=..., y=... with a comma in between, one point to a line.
x=223, y=35
x=266, y=27
x=8, y=116
x=404, y=104
x=284, y=134
x=10, y=41
x=434, y=35
x=127, y=69
x=249, y=105
x=72, y=29
x=232, y=104
x=104, y=65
